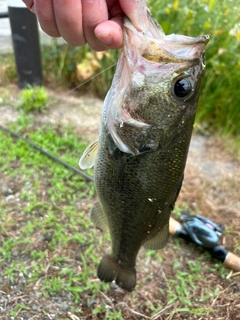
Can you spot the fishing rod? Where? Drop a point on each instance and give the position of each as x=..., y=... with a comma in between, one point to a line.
x=205, y=233
x=49, y=155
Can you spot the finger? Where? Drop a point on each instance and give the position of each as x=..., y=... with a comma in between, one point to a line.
x=29, y=4
x=69, y=21
x=136, y=12
x=44, y=11
x=110, y=34
x=94, y=13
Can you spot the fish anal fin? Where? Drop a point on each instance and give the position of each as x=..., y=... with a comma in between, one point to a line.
x=98, y=217
x=159, y=240
x=87, y=160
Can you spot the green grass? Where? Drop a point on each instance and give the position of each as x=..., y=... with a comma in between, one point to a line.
x=53, y=227
x=33, y=99
x=44, y=217
x=47, y=236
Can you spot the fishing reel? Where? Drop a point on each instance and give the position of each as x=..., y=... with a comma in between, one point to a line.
x=201, y=230
x=205, y=233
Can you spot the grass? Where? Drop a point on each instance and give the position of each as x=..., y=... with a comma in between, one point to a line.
x=48, y=240
x=33, y=99
x=8, y=72
x=52, y=226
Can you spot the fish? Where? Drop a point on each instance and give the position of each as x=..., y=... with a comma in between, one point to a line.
x=140, y=155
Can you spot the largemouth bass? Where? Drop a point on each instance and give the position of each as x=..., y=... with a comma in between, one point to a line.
x=145, y=131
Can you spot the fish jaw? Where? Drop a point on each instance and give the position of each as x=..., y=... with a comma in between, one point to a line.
x=152, y=59
x=155, y=46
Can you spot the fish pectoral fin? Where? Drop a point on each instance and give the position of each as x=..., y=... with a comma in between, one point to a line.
x=98, y=217
x=87, y=160
x=159, y=240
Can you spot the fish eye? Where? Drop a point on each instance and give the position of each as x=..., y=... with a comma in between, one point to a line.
x=182, y=88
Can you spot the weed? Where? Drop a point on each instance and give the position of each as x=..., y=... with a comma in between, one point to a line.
x=33, y=99
x=8, y=71
x=219, y=100
x=18, y=308
x=53, y=285
x=185, y=283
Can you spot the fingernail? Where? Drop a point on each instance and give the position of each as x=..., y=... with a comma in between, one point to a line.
x=105, y=39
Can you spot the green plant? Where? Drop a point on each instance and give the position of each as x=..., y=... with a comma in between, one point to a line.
x=74, y=67
x=33, y=99
x=18, y=308
x=219, y=104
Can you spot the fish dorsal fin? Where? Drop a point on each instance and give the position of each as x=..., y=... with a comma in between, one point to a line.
x=98, y=217
x=87, y=160
x=159, y=240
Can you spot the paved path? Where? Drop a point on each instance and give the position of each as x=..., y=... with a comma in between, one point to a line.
x=5, y=30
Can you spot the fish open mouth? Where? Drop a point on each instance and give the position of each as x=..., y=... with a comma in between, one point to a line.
x=155, y=46
x=163, y=51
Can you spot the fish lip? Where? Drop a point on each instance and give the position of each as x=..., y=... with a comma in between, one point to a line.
x=174, y=47
x=191, y=48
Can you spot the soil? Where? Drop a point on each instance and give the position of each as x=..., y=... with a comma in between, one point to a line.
x=211, y=188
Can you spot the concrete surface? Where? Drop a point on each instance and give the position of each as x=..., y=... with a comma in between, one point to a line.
x=5, y=30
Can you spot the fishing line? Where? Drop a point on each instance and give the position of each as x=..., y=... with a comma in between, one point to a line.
x=49, y=155
x=46, y=153
x=81, y=84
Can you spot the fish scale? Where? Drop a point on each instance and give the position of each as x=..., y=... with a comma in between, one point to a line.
x=145, y=131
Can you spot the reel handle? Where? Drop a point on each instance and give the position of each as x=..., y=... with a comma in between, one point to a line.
x=229, y=259
x=232, y=261
x=174, y=226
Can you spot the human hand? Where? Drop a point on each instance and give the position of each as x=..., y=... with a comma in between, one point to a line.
x=96, y=22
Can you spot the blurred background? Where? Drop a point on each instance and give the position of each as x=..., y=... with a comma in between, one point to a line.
x=66, y=67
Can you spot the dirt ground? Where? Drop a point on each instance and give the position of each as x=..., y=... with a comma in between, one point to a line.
x=211, y=188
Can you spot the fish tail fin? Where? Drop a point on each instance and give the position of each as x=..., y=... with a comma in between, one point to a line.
x=109, y=270
x=126, y=278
